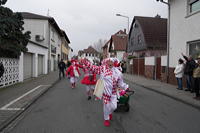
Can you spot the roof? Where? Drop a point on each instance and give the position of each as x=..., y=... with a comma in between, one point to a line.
x=154, y=29
x=120, y=40
x=89, y=50
x=27, y=15
x=106, y=44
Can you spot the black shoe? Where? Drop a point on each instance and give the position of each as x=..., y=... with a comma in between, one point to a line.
x=179, y=88
x=187, y=90
x=89, y=97
x=191, y=91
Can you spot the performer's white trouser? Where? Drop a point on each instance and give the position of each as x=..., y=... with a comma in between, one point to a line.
x=110, y=107
x=73, y=80
x=89, y=88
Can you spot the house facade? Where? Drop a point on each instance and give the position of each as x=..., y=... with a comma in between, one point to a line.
x=147, y=36
x=44, y=47
x=65, y=47
x=105, y=50
x=90, y=53
x=116, y=45
x=147, y=43
x=184, y=31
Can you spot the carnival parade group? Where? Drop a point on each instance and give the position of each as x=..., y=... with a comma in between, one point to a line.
x=109, y=87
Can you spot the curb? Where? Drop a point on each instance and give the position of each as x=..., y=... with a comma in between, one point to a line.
x=18, y=113
x=168, y=95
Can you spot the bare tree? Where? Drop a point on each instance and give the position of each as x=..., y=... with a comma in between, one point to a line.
x=99, y=44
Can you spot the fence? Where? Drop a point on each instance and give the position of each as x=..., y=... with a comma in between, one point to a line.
x=11, y=72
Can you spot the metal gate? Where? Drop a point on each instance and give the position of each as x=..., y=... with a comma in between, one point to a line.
x=138, y=66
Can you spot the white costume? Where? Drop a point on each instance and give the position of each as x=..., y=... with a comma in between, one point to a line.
x=112, y=79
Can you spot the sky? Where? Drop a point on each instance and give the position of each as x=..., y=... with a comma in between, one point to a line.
x=87, y=21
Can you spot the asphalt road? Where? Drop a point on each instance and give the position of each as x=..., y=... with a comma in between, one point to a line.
x=66, y=110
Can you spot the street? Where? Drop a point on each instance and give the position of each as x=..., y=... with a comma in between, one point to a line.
x=63, y=109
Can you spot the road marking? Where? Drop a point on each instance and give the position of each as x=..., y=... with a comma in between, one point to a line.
x=12, y=109
x=5, y=107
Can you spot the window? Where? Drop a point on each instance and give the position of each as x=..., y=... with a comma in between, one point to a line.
x=86, y=54
x=139, y=39
x=194, y=49
x=194, y=6
x=132, y=41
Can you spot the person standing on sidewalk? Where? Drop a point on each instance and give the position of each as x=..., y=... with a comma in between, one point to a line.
x=62, y=67
x=179, y=71
x=189, y=67
x=112, y=80
x=73, y=72
x=196, y=76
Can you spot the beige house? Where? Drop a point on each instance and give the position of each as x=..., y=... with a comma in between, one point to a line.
x=65, y=47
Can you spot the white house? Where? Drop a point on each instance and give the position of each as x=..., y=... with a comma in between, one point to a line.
x=44, y=47
x=90, y=53
x=184, y=29
x=184, y=32
x=116, y=46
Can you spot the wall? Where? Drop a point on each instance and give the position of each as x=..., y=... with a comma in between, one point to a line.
x=11, y=72
x=150, y=67
x=133, y=44
x=32, y=48
x=55, y=40
x=120, y=55
x=37, y=27
x=183, y=28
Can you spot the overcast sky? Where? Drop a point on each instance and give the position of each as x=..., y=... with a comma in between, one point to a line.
x=87, y=21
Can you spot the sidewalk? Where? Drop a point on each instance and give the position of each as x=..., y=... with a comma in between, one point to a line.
x=16, y=98
x=165, y=89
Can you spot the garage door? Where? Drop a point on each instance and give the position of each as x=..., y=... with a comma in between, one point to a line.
x=28, y=65
x=52, y=62
x=40, y=64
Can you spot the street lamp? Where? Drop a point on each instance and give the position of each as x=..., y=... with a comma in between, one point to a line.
x=168, y=35
x=124, y=17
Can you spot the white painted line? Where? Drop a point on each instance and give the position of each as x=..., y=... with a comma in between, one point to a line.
x=12, y=109
x=12, y=102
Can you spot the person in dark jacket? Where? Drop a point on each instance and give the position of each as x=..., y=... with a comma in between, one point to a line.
x=196, y=76
x=1, y=69
x=62, y=67
x=189, y=67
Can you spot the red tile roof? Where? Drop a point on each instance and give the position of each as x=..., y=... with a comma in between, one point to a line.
x=120, y=40
x=89, y=50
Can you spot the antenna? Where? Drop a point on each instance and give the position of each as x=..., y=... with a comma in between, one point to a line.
x=48, y=12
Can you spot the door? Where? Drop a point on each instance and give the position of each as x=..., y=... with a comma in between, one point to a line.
x=40, y=64
x=28, y=65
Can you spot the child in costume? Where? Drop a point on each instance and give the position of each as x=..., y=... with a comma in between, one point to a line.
x=89, y=80
x=112, y=79
x=73, y=72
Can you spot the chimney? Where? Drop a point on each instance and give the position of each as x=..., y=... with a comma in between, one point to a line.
x=157, y=16
x=125, y=31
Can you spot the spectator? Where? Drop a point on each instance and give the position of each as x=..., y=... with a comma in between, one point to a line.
x=179, y=71
x=62, y=67
x=196, y=76
x=1, y=69
x=189, y=67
